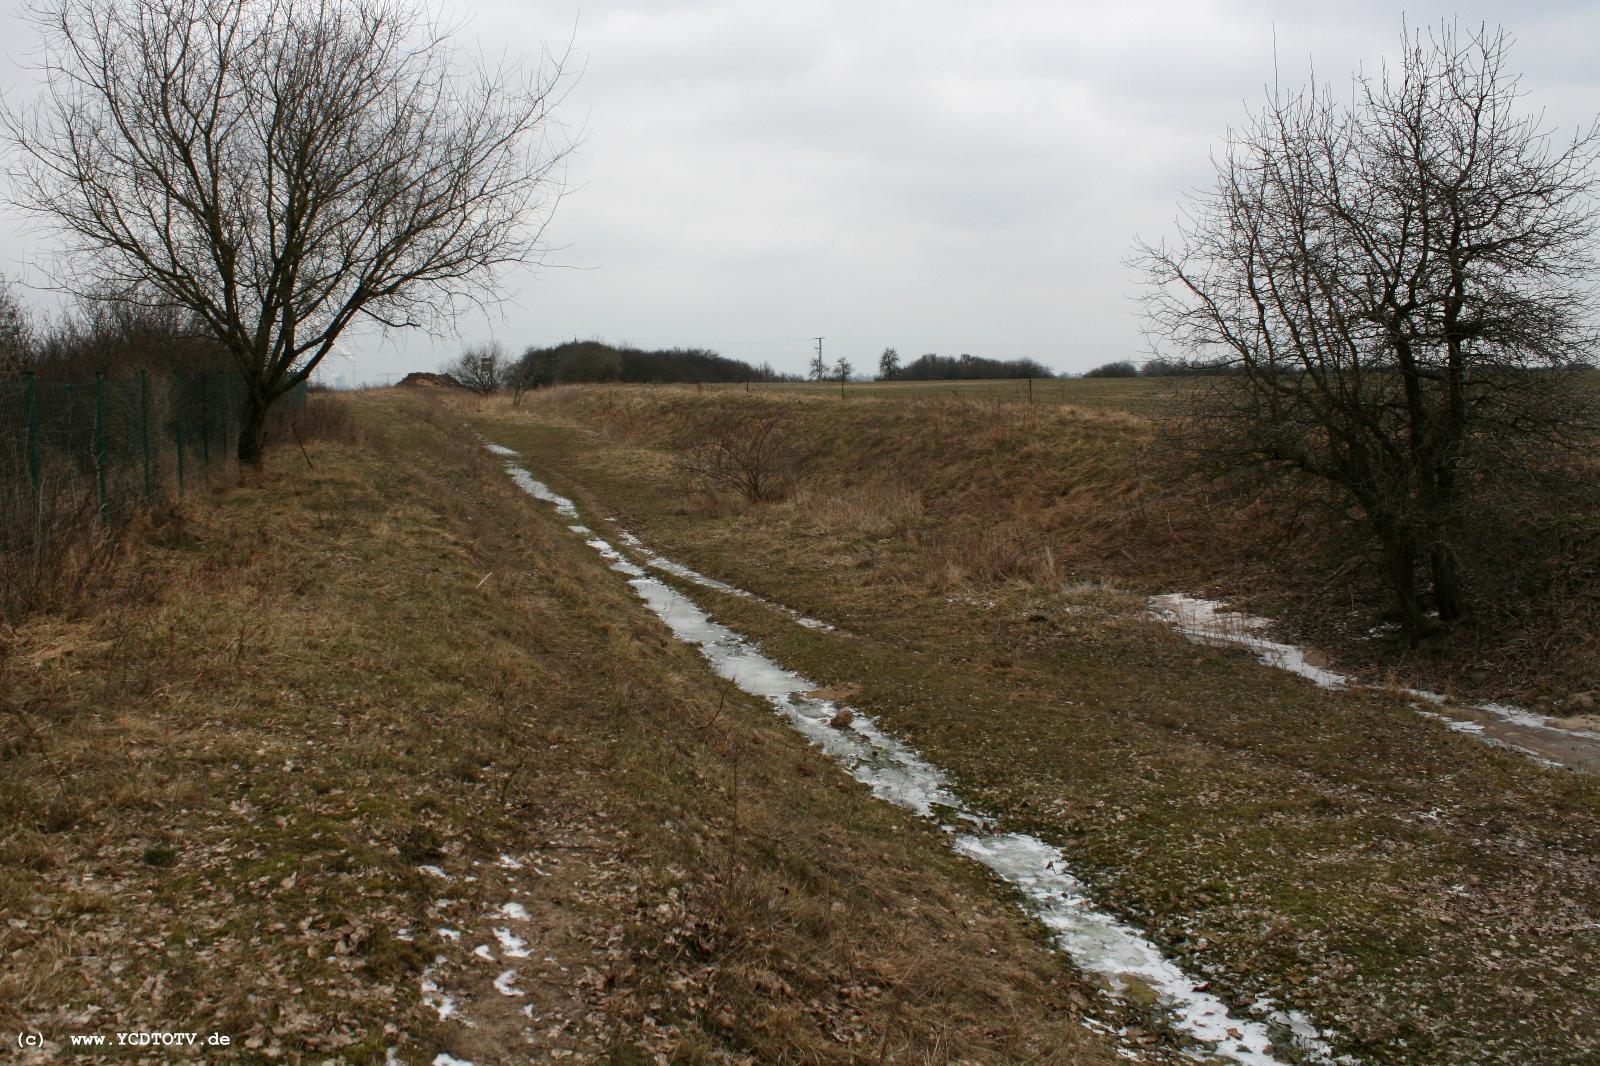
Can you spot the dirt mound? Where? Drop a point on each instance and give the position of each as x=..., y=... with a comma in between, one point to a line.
x=421, y=379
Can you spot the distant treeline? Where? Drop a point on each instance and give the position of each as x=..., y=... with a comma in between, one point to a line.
x=1158, y=368
x=933, y=367
x=580, y=362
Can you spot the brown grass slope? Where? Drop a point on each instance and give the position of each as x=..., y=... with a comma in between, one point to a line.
x=328, y=722
x=1429, y=898
x=991, y=489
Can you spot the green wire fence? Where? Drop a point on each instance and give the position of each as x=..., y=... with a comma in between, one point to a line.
x=118, y=443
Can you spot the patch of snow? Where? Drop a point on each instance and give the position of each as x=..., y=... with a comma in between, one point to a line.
x=677, y=569
x=444, y=1058
x=515, y=911
x=448, y=934
x=540, y=491
x=511, y=945
x=507, y=862
x=432, y=996
x=1103, y=946
x=1457, y=724
x=505, y=984
x=1205, y=622
x=501, y=450
x=483, y=952
x=435, y=871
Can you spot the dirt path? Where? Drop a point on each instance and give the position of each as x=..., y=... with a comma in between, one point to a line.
x=1095, y=942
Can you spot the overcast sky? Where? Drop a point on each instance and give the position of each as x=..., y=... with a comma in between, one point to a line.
x=936, y=177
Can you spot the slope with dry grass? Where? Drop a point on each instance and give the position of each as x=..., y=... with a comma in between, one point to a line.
x=1428, y=898
x=368, y=754
x=986, y=490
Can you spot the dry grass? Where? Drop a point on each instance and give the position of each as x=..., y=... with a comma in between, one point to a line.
x=220, y=786
x=1408, y=886
x=1011, y=492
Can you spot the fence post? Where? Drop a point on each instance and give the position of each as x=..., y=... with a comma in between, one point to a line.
x=177, y=423
x=32, y=396
x=144, y=431
x=100, y=440
x=205, y=426
x=225, y=423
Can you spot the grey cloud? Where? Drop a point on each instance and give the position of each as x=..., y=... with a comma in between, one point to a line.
x=937, y=176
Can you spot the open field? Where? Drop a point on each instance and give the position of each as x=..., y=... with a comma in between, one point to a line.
x=1424, y=897
x=369, y=755
x=1143, y=396
x=1140, y=395
x=376, y=757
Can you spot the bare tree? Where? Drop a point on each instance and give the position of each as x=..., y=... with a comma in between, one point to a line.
x=817, y=369
x=283, y=168
x=482, y=368
x=1403, y=283
x=841, y=372
x=888, y=365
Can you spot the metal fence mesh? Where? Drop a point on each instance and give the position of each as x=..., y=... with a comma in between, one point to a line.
x=112, y=445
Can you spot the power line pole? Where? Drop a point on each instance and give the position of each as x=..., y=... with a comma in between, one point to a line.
x=822, y=368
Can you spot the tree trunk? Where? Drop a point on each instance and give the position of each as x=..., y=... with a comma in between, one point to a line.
x=253, y=431
x=1448, y=596
x=1400, y=560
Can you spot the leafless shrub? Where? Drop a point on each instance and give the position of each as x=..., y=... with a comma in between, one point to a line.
x=328, y=417
x=483, y=368
x=55, y=544
x=754, y=453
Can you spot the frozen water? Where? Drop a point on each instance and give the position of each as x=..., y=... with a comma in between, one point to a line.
x=1098, y=943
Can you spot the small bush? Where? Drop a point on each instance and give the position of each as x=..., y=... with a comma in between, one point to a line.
x=325, y=416
x=753, y=453
x=54, y=545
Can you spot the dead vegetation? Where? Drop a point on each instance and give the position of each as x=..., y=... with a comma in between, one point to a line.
x=751, y=452
x=1411, y=888
x=982, y=492
x=61, y=549
x=289, y=781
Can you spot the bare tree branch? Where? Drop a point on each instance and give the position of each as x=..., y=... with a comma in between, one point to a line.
x=1403, y=284
x=284, y=168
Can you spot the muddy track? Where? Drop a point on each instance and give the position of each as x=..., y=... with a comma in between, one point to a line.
x=1124, y=959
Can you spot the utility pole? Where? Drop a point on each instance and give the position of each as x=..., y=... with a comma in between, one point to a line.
x=820, y=366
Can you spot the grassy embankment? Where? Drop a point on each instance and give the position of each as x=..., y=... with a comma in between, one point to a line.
x=324, y=724
x=1432, y=899
x=1136, y=395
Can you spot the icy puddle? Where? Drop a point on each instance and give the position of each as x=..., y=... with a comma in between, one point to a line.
x=1098, y=944
x=1206, y=622
x=667, y=566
